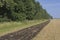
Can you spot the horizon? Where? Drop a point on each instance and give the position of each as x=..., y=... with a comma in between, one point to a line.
x=52, y=7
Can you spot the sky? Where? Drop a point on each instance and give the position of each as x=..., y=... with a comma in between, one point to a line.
x=52, y=7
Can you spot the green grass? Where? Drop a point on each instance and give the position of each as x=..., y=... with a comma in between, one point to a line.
x=8, y=27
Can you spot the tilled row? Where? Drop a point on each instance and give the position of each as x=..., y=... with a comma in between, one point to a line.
x=25, y=34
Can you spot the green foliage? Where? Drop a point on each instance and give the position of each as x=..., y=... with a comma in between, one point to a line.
x=4, y=20
x=18, y=10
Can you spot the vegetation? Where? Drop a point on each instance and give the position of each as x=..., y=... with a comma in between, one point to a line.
x=19, y=10
x=9, y=27
x=19, y=14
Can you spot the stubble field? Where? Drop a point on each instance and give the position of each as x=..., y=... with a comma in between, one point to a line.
x=50, y=32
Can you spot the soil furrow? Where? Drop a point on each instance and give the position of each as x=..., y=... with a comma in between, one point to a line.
x=25, y=34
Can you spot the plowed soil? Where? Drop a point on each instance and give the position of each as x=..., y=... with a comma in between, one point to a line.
x=25, y=34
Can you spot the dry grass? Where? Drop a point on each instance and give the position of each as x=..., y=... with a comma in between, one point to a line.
x=50, y=32
x=9, y=27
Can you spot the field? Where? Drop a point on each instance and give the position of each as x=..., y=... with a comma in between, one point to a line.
x=8, y=27
x=50, y=32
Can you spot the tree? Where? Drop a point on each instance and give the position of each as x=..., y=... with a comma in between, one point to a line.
x=18, y=10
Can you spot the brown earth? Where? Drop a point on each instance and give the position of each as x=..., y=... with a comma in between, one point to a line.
x=25, y=34
x=50, y=32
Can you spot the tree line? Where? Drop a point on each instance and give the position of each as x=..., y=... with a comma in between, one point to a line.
x=19, y=10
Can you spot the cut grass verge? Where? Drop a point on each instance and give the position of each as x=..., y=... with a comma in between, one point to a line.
x=8, y=27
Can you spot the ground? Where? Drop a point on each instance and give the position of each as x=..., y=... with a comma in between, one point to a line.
x=26, y=33
x=9, y=27
x=50, y=31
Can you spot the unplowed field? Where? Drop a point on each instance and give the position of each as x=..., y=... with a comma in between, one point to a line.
x=50, y=32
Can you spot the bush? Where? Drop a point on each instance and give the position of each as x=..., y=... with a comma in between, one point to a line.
x=4, y=20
